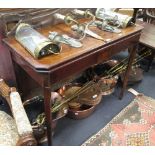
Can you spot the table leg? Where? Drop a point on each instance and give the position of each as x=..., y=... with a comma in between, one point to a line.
x=47, y=107
x=151, y=57
x=132, y=54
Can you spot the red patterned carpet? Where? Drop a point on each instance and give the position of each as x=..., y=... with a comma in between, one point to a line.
x=133, y=126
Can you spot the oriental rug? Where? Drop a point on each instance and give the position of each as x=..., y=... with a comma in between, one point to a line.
x=133, y=126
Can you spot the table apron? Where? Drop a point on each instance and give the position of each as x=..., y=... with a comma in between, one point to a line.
x=39, y=78
x=95, y=57
x=77, y=65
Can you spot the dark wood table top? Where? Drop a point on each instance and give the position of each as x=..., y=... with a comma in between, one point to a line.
x=148, y=34
x=67, y=53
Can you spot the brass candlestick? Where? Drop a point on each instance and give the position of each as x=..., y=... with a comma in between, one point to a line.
x=68, y=19
x=87, y=13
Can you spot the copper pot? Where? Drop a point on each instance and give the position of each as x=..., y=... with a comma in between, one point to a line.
x=74, y=105
x=101, y=68
x=91, y=96
x=40, y=132
x=135, y=75
x=108, y=84
x=55, y=97
x=82, y=113
x=112, y=63
x=63, y=89
x=35, y=108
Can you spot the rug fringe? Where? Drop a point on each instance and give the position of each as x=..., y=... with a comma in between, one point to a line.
x=134, y=92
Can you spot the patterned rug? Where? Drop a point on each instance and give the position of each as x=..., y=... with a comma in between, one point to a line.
x=133, y=126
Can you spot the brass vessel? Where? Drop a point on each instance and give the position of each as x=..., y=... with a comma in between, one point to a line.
x=34, y=42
